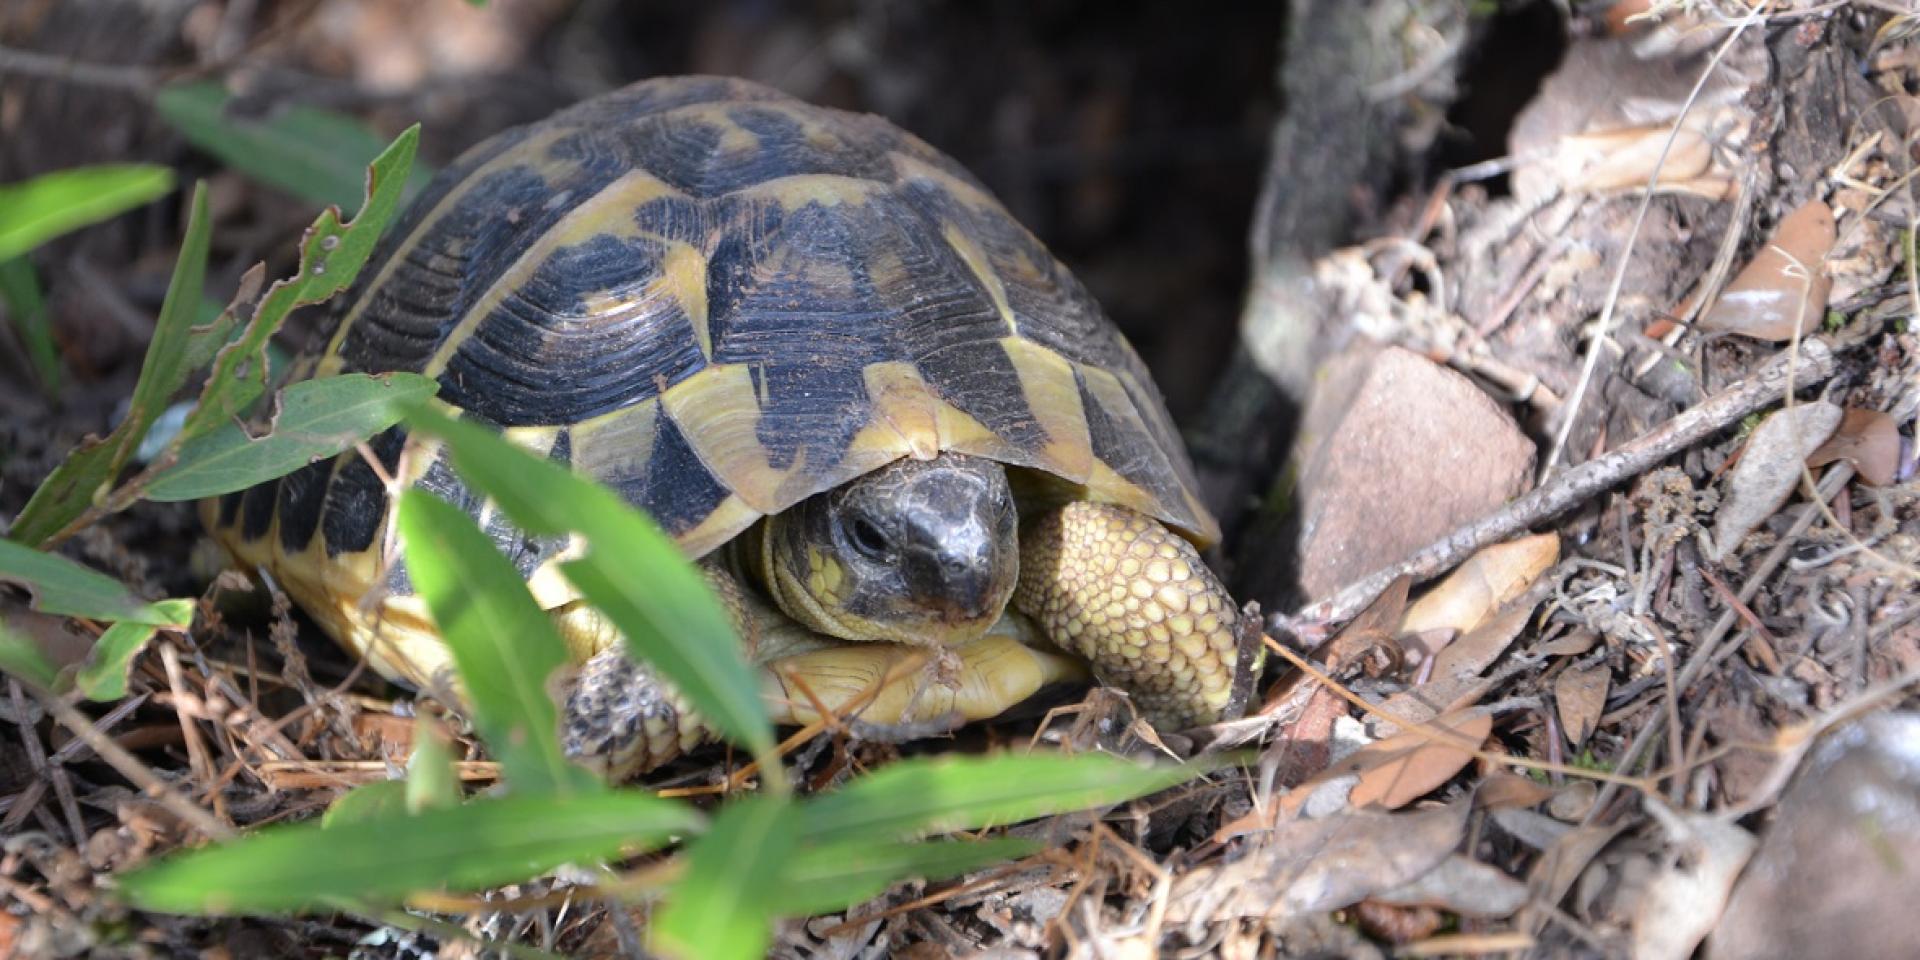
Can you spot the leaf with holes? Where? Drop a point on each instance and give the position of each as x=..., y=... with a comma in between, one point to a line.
x=316, y=419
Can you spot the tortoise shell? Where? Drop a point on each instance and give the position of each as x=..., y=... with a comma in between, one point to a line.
x=720, y=300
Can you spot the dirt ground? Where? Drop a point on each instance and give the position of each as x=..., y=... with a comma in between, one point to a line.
x=1582, y=512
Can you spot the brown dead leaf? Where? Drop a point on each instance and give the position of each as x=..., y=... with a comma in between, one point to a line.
x=1478, y=588
x=1572, y=644
x=1407, y=766
x=1768, y=470
x=1510, y=791
x=1561, y=864
x=1868, y=439
x=1371, y=629
x=1463, y=886
x=1581, y=695
x=1683, y=902
x=1431, y=699
x=1313, y=865
x=1784, y=289
x=1472, y=654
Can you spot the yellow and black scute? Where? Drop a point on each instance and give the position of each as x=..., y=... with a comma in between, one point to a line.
x=718, y=300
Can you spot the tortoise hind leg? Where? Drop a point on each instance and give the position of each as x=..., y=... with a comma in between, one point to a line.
x=1133, y=598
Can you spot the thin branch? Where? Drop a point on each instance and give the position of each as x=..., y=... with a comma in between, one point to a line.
x=1603, y=330
x=1814, y=364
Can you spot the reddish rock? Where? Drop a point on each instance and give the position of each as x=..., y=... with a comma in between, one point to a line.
x=1397, y=451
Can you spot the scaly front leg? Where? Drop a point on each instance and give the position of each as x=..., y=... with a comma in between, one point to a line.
x=1121, y=590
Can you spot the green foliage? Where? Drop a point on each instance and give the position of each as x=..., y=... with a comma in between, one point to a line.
x=632, y=572
x=822, y=879
x=390, y=853
x=89, y=471
x=35, y=211
x=916, y=797
x=64, y=588
x=314, y=154
x=724, y=905
x=432, y=780
x=316, y=419
x=25, y=660
x=82, y=488
x=331, y=256
x=103, y=677
x=27, y=309
x=367, y=802
x=503, y=644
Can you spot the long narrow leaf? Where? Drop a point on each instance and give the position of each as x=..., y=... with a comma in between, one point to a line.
x=25, y=660
x=824, y=879
x=37, y=210
x=503, y=644
x=390, y=853
x=316, y=419
x=633, y=573
x=65, y=588
x=27, y=309
x=311, y=153
x=331, y=256
x=723, y=907
x=916, y=797
x=66, y=493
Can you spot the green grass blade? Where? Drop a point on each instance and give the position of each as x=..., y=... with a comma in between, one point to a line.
x=316, y=419
x=103, y=677
x=35, y=211
x=64, y=588
x=632, y=572
x=27, y=308
x=502, y=642
x=386, y=856
x=819, y=880
x=916, y=797
x=314, y=154
x=432, y=780
x=368, y=801
x=25, y=660
x=722, y=908
x=91, y=469
x=331, y=256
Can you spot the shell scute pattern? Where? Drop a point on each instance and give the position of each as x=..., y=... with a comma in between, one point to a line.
x=735, y=300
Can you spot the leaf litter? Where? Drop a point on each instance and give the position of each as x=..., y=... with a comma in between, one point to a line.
x=1632, y=686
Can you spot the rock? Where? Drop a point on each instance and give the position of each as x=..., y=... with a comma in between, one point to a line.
x=1397, y=452
x=1837, y=869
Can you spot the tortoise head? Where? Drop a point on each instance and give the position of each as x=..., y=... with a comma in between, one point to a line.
x=921, y=551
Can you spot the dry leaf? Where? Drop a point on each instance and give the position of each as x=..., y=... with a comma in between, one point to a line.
x=1682, y=904
x=1510, y=791
x=1572, y=644
x=1462, y=886
x=1370, y=629
x=1785, y=287
x=1561, y=864
x=1868, y=439
x=1625, y=159
x=1407, y=766
x=1581, y=695
x=1487, y=580
x=1312, y=865
x=1474, y=653
x=1440, y=695
x=1769, y=469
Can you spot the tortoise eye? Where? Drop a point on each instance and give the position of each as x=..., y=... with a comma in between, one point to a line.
x=868, y=539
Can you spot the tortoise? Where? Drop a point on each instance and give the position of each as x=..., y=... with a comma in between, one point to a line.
x=828, y=363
